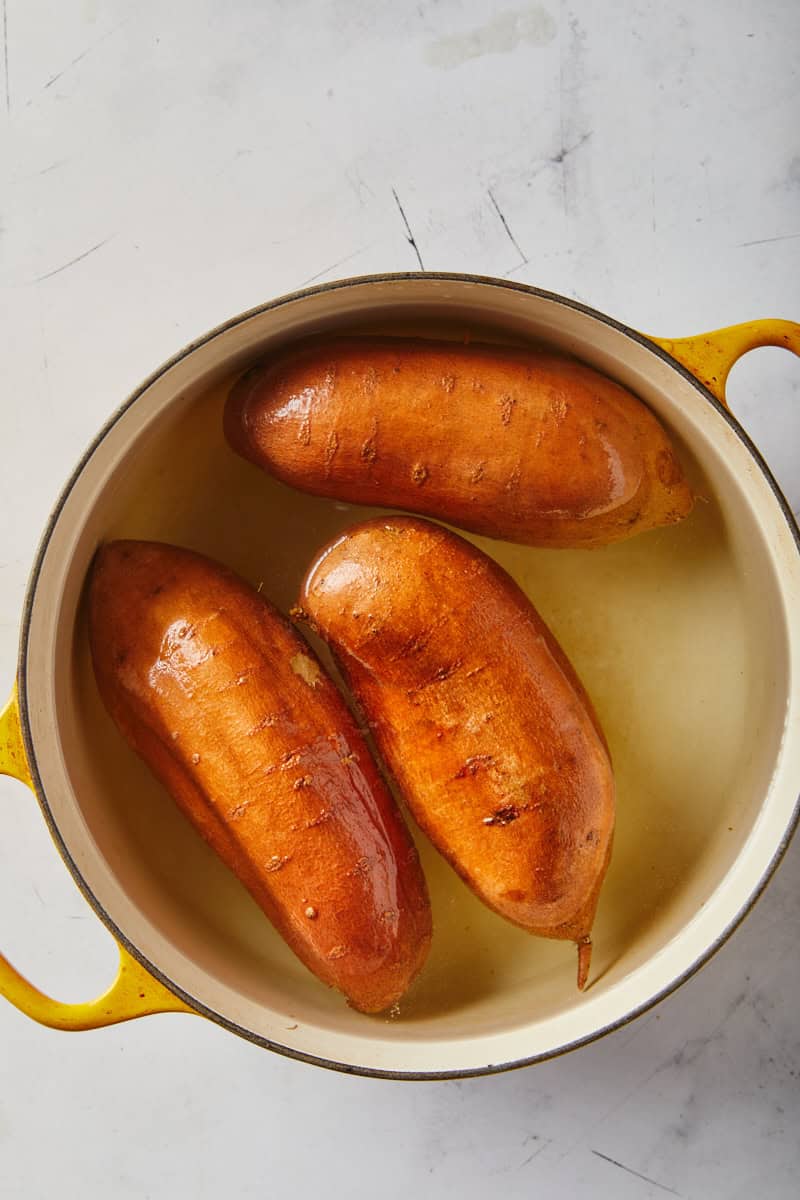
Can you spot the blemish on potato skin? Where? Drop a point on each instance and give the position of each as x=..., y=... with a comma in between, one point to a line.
x=331, y=448
x=306, y=669
x=324, y=816
x=476, y=475
x=419, y=473
x=277, y=862
x=472, y=765
x=369, y=450
x=503, y=816
x=475, y=671
x=514, y=479
x=507, y=404
x=415, y=644
x=440, y=675
x=239, y=810
x=447, y=670
x=559, y=408
x=264, y=723
x=304, y=431
x=363, y=867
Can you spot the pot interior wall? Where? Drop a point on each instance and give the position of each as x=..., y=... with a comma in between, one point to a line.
x=679, y=636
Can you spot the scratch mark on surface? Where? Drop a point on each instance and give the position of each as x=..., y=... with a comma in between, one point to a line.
x=638, y=1174
x=53, y=166
x=332, y=267
x=409, y=235
x=79, y=258
x=504, y=222
x=688, y=1055
x=55, y=78
x=565, y=151
x=513, y=270
x=358, y=185
x=544, y=1142
x=5, y=56
x=784, y=237
x=571, y=78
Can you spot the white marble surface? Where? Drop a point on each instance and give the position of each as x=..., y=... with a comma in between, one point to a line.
x=165, y=165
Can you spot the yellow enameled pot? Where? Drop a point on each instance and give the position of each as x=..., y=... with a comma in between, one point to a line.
x=688, y=639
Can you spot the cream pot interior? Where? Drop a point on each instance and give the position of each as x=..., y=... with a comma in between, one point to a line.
x=686, y=638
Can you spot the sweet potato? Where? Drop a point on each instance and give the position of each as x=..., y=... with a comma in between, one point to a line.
x=478, y=715
x=232, y=711
x=511, y=443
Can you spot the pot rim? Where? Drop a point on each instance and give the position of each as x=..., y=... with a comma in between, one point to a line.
x=158, y=973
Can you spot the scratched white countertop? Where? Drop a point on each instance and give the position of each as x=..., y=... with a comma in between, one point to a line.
x=165, y=165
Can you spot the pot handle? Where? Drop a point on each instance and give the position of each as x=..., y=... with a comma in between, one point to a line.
x=134, y=992
x=710, y=356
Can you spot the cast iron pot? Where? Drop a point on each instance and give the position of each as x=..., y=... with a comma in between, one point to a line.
x=687, y=638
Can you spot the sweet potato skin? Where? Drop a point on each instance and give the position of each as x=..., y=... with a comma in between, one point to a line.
x=477, y=713
x=231, y=710
x=511, y=443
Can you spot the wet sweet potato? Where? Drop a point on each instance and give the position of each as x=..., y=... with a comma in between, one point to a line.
x=512, y=443
x=231, y=710
x=478, y=715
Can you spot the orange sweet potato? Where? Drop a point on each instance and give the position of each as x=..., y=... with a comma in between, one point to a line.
x=478, y=715
x=511, y=443
x=231, y=710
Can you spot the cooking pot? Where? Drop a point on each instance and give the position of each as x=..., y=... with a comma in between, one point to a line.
x=688, y=639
